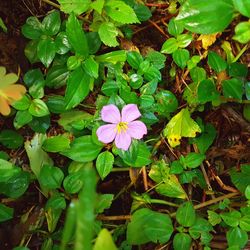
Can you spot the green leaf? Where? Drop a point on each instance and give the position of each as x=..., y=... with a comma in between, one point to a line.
x=51, y=23
x=134, y=59
x=245, y=223
x=57, y=76
x=198, y=74
x=91, y=67
x=243, y=6
x=241, y=178
x=56, y=104
x=185, y=214
x=32, y=29
x=120, y=12
x=77, y=153
x=233, y=88
x=76, y=35
x=6, y=213
x=207, y=91
x=109, y=87
x=170, y=46
x=94, y=42
x=104, y=163
x=200, y=227
x=242, y=32
x=142, y=12
x=108, y=33
x=237, y=237
x=78, y=87
x=40, y=124
x=98, y=6
x=11, y=139
x=193, y=160
x=76, y=6
x=22, y=104
x=237, y=70
x=104, y=241
x=147, y=225
x=38, y=108
x=216, y=62
x=36, y=155
x=56, y=143
x=22, y=118
x=202, y=16
x=247, y=192
x=30, y=51
x=104, y=201
x=3, y=26
x=213, y=218
x=136, y=81
x=166, y=102
x=46, y=51
x=175, y=28
x=156, y=58
x=50, y=177
x=112, y=57
x=62, y=43
x=181, y=125
x=182, y=241
x=232, y=219
x=184, y=40
x=180, y=57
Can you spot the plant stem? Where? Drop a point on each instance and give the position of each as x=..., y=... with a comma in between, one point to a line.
x=52, y=3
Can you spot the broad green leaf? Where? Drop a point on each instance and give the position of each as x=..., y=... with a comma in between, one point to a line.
x=237, y=237
x=46, y=51
x=232, y=219
x=207, y=91
x=57, y=76
x=91, y=67
x=243, y=6
x=213, y=218
x=30, y=51
x=76, y=6
x=152, y=73
x=82, y=149
x=216, y=62
x=242, y=32
x=112, y=57
x=104, y=163
x=73, y=182
x=98, y=6
x=22, y=104
x=108, y=33
x=51, y=23
x=78, y=87
x=247, y=192
x=50, y=177
x=193, y=160
x=180, y=57
x=104, y=201
x=185, y=214
x=241, y=178
x=36, y=155
x=147, y=225
x=202, y=16
x=181, y=125
x=134, y=59
x=120, y=12
x=184, y=40
x=182, y=241
x=56, y=104
x=6, y=213
x=198, y=74
x=233, y=88
x=40, y=124
x=175, y=28
x=7, y=170
x=38, y=108
x=104, y=241
x=56, y=143
x=110, y=87
x=11, y=139
x=156, y=58
x=94, y=42
x=32, y=29
x=200, y=227
x=62, y=43
x=170, y=46
x=22, y=118
x=245, y=223
x=166, y=102
x=237, y=69
x=76, y=35
x=142, y=12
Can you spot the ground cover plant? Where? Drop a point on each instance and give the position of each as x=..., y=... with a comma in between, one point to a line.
x=124, y=124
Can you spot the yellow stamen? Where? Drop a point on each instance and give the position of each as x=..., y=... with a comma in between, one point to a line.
x=121, y=127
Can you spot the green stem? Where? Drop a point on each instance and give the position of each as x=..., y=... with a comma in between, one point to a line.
x=240, y=53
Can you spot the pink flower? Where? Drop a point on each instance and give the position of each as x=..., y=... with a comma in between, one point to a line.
x=122, y=127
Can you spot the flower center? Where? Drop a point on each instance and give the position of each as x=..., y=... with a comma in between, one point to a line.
x=121, y=127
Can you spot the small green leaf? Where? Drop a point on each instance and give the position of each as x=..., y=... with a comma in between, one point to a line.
x=182, y=241
x=213, y=218
x=104, y=241
x=73, y=182
x=108, y=33
x=76, y=35
x=6, y=213
x=51, y=23
x=180, y=57
x=207, y=91
x=82, y=149
x=104, y=163
x=22, y=104
x=91, y=67
x=38, y=108
x=242, y=32
x=50, y=177
x=193, y=160
x=11, y=139
x=22, y=118
x=233, y=88
x=147, y=225
x=243, y=6
x=166, y=102
x=198, y=74
x=245, y=223
x=170, y=46
x=120, y=12
x=98, y=6
x=142, y=12
x=62, y=43
x=112, y=57
x=134, y=59
x=184, y=40
x=56, y=143
x=57, y=76
x=46, y=51
x=237, y=237
x=216, y=62
x=185, y=214
x=175, y=28
x=231, y=218
x=110, y=87
x=76, y=6
x=32, y=29
x=241, y=178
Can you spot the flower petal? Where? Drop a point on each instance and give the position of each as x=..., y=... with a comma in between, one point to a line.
x=137, y=129
x=4, y=107
x=123, y=141
x=106, y=133
x=110, y=113
x=14, y=92
x=130, y=112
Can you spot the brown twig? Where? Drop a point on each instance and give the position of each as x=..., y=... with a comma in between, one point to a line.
x=158, y=28
x=145, y=178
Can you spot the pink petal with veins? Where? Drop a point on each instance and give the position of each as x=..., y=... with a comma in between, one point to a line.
x=130, y=112
x=123, y=141
x=137, y=129
x=106, y=133
x=110, y=113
